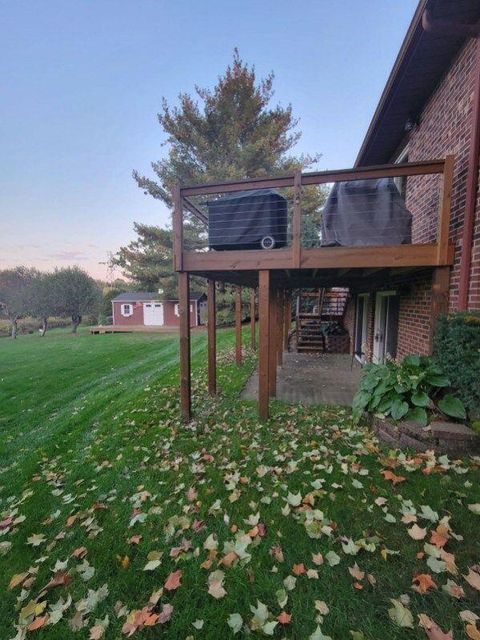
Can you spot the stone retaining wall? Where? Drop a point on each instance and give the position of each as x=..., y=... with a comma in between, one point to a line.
x=444, y=437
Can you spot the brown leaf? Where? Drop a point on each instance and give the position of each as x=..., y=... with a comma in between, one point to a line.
x=60, y=579
x=472, y=632
x=17, y=579
x=317, y=558
x=389, y=475
x=284, y=617
x=422, y=582
x=80, y=552
x=134, y=539
x=229, y=559
x=432, y=629
x=416, y=532
x=173, y=580
x=473, y=579
x=299, y=569
x=37, y=623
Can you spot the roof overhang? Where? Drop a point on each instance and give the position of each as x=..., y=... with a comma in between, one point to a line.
x=423, y=59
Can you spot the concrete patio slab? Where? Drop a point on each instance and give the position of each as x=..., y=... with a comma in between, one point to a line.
x=312, y=379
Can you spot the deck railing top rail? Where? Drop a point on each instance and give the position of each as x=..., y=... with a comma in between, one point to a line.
x=427, y=167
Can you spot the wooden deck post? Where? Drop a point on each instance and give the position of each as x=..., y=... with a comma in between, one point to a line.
x=445, y=208
x=238, y=326
x=440, y=291
x=212, y=338
x=272, y=352
x=253, y=339
x=263, y=343
x=184, y=313
x=297, y=221
x=287, y=319
x=177, y=227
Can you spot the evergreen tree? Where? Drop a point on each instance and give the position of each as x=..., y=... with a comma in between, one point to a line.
x=225, y=133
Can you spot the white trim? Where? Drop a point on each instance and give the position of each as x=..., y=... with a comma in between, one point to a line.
x=113, y=312
x=380, y=310
x=124, y=312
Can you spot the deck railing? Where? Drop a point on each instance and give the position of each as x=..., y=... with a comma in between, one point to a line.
x=425, y=188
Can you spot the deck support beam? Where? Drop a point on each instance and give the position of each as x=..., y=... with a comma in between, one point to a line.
x=253, y=338
x=238, y=326
x=212, y=338
x=263, y=346
x=185, y=376
x=440, y=295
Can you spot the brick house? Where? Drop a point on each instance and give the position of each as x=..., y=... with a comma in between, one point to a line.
x=146, y=308
x=429, y=109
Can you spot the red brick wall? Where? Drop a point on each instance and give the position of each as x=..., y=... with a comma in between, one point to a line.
x=445, y=128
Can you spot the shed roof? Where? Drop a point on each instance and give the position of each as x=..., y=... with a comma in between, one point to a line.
x=147, y=296
x=421, y=62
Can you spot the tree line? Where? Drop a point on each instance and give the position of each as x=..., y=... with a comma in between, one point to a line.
x=68, y=293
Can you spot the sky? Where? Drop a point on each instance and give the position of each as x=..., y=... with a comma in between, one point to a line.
x=81, y=83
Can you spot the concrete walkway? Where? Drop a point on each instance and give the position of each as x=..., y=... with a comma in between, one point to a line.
x=312, y=379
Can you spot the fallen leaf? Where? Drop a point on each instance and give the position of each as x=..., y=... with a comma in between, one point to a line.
x=299, y=569
x=422, y=582
x=215, y=584
x=416, y=532
x=60, y=579
x=173, y=580
x=400, y=615
x=284, y=617
x=473, y=579
x=389, y=475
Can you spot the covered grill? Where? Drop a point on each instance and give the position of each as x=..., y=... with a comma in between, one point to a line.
x=366, y=213
x=254, y=219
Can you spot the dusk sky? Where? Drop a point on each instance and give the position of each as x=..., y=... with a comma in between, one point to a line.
x=82, y=82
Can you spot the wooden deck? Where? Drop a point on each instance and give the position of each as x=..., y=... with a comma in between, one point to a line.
x=275, y=274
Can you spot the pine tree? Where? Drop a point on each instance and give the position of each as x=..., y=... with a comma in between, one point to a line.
x=225, y=133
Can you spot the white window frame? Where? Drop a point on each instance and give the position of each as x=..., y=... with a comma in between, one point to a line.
x=124, y=312
x=176, y=309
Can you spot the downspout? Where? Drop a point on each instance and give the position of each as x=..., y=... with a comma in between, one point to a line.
x=471, y=195
x=447, y=27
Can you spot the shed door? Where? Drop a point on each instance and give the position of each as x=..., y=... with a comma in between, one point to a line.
x=153, y=313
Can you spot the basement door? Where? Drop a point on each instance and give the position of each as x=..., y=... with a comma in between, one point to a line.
x=386, y=326
x=153, y=313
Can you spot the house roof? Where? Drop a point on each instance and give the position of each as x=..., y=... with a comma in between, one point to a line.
x=423, y=59
x=146, y=296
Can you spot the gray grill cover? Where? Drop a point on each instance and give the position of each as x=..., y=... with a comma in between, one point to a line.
x=242, y=219
x=366, y=213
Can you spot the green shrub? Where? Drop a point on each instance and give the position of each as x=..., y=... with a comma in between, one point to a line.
x=412, y=389
x=457, y=351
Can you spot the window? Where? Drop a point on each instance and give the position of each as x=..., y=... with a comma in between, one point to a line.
x=126, y=310
x=176, y=309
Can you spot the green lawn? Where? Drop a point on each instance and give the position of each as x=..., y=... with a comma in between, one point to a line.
x=104, y=489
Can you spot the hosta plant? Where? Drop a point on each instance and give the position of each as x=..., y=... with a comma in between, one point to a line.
x=413, y=389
